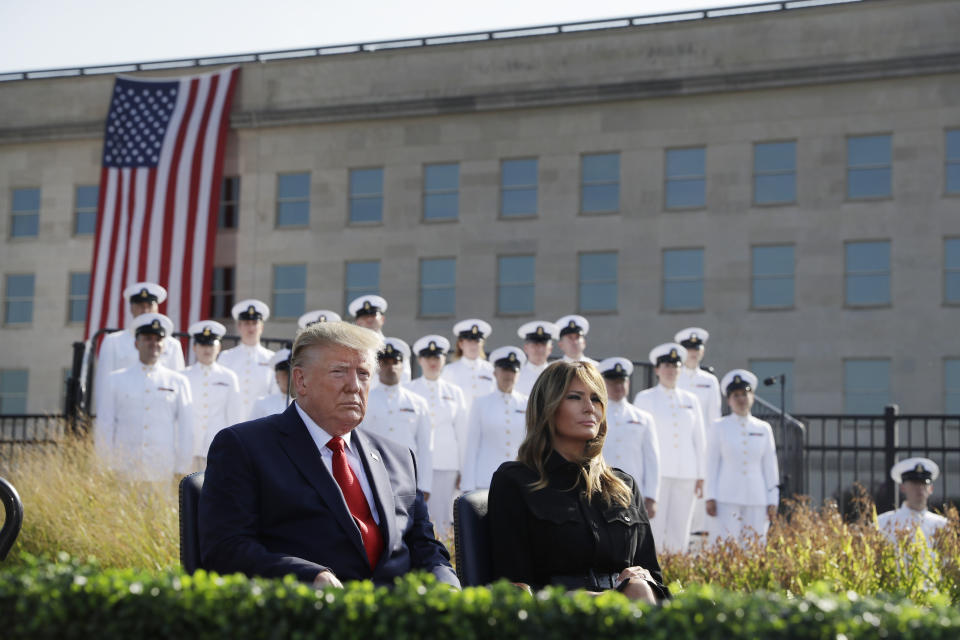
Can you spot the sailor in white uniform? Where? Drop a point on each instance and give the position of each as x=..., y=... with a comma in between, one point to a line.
x=144, y=429
x=370, y=312
x=249, y=359
x=399, y=414
x=497, y=422
x=448, y=419
x=538, y=337
x=680, y=434
x=278, y=402
x=117, y=350
x=742, y=484
x=631, y=444
x=471, y=371
x=213, y=387
x=572, y=341
x=915, y=477
x=318, y=315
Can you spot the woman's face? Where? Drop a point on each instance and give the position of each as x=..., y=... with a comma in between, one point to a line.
x=579, y=414
x=470, y=348
x=740, y=401
x=505, y=378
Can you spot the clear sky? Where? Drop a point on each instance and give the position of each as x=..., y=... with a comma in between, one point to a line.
x=49, y=34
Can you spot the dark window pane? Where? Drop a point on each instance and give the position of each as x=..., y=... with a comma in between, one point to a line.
x=868, y=183
x=438, y=286
x=598, y=266
x=26, y=200
x=293, y=200
x=519, y=202
x=25, y=226
x=598, y=281
x=601, y=167
x=868, y=150
x=772, y=189
x=683, y=295
x=518, y=173
x=366, y=182
x=440, y=206
x=289, y=290
x=599, y=198
x=773, y=292
x=87, y=196
x=293, y=214
x=774, y=260
x=366, y=209
x=516, y=269
x=20, y=286
x=79, y=292
x=290, y=276
x=86, y=223
x=229, y=203
x=686, y=193
x=680, y=263
x=868, y=256
x=288, y=305
x=19, y=312
x=864, y=290
x=13, y=391
x=868, y=167
x=686, y=162
x=436, y=302
x=363, y=274
x=293, y=185
x=953, y=177
x=441, y=271
x=774, y=156
x=443, y=177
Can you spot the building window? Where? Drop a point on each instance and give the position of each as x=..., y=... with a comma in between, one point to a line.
x=18, y=299
x=85, y=210
x=600, y=183
x=366, y=195
x=683, y=279
x=438, y=286
x=293, y=200
x=764, y=369
x=774, y=172
x=229, y=215
x=25, y=213
x=953, y=161
x=869, y=167
x=866, y=386
x=772, y=277
x=598, y=282
x=77, y=299
x=686, y=179
x=867, y=273
x=515, y=284
x=13, y=391
x=518, y=188
x=441, y=191
x=361, y=279
x=951, y=270
x=289, y=290
x=221, y=292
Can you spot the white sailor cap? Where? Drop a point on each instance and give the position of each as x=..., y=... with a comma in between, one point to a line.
x=539, y=331
x=320, y=315
x=917, y=469
x=367, y=306
x=738, y=379
x=472, y=329
x=573, y=324
x=280, y=360
x=667, y=352
x=692, y=337
x=615, y=367
x=394, y=348
x=206, y=331
x=250, y=309
x=508, y=358
x=155, y=323
x=145, y=292
x=431, y=345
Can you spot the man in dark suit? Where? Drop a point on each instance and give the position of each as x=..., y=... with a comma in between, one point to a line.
x=301, y=492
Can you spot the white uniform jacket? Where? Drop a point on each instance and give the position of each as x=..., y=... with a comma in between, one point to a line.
x=581, y=359
x=632, y=446
x=496, y=428
x=254, y=374
x=742, y=462
x=906, y=519
x=448, y=419
x=680, y=432
x=474, y=377
x=404, y=417
x=118, y=351
x=144, y=426
x=270, y=405
x=216, y=402
x=529, y=373
x=706, y=387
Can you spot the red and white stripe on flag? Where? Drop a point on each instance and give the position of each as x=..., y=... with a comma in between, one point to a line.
x=159, y=194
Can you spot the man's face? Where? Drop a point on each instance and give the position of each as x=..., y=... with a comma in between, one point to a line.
x=372, y=321
x=149, y=346
x=206, y=353
x=694, y=356
x=505, y=378
x=140, y=308
x=916, y=493
x=250, y=331
x=572, y=345
x=617, y=388
x=432, y=366
x=390, y=370
x=331, y=386
x=668, y=372
x=537, y=352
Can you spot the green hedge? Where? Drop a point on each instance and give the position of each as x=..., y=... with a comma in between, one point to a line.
x=71, y=599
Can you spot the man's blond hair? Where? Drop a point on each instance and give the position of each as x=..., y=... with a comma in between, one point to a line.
x=335, y=334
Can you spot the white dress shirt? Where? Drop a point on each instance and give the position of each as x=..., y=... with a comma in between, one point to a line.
x=321, y=438
x=404, y=417
x=528, y=375
x=680, y=432
x=254, y=373
x=495, y=430
x=118, y=350
x=216, y=402
x=144, y=427
x=448, y=419
x=706, y=387
x=269, y=405
x=907, y=519
x=474, y=377
x=631, y=445
x=581, y=359
x=742, y=462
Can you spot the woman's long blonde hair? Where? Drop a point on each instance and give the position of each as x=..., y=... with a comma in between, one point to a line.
x=545, y=398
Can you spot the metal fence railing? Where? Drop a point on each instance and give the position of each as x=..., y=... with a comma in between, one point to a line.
x=20, y=433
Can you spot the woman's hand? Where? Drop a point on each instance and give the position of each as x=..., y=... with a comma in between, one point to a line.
x=637, y=587
x=712, y=508
x=651, y=506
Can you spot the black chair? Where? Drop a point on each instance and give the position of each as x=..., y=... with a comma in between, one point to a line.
x=189, y=530
x=471, y=535
x=13, y=520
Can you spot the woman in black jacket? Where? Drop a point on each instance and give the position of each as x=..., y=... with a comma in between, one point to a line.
x=559, y=515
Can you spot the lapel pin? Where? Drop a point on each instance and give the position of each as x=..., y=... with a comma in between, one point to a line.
x=375, y=456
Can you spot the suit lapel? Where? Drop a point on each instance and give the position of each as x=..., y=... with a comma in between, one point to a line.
x=302, y=451
x=380, y=484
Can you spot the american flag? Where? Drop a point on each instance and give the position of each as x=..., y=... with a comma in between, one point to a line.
x=159, y=194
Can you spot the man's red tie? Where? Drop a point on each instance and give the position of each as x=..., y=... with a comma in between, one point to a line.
x=356, y=501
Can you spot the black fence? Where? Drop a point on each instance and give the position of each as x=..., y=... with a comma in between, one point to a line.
x=21, y=433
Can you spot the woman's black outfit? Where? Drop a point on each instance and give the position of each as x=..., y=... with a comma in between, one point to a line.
x=554, y=536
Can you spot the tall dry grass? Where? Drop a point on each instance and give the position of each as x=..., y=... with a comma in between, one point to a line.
x=73, y=505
